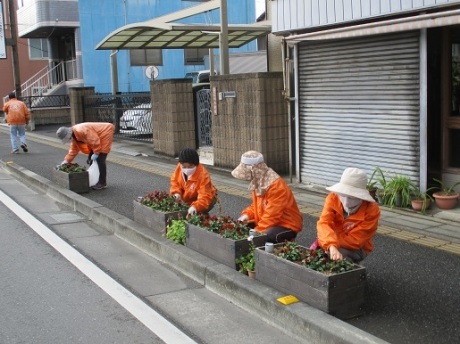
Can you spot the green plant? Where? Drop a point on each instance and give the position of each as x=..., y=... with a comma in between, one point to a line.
x=399, y=191
x=425, y=197
x=379, y=182
x=71, y=168
x=372, y=183
x=176, y=231
x=446, y=190
x=225, y=226
x=289, y=250
x=317, y=259
x=247, y=262
x=162, y=201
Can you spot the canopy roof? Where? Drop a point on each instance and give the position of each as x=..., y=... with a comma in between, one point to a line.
x=156, y=34
x=165, y=33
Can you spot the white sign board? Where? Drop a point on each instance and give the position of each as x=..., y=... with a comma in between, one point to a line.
x=2, y=34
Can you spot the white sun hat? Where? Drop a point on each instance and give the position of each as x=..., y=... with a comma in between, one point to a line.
x=353, y=183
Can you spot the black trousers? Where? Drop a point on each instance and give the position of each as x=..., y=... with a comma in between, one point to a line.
x=278, y=234
x=102, y=168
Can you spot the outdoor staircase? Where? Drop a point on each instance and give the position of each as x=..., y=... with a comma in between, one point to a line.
x=48, y=79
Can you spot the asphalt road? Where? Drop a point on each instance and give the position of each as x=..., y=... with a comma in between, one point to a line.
x=45, y=299
x=414, y=291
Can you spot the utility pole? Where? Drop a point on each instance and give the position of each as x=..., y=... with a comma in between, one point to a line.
x=13, y=41
x=223, y=38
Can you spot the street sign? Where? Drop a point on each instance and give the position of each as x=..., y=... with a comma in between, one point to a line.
x=151, y=72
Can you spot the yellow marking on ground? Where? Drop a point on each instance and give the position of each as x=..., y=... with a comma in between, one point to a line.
x=430, y=242
x=407, y=236
x=385, y=230
x=451, y=248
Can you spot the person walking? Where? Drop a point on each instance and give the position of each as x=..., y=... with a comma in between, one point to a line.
x=274, y=211
x=92, y=138
x=17, y=116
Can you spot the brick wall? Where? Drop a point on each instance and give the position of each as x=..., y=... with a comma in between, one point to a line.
x=255, y=119
x=49, y=116
x=173, y=116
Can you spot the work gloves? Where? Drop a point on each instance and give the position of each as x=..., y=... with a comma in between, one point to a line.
x=243, y=218
x=191, y=211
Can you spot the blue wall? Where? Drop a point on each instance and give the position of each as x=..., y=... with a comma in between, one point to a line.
x=98, y=18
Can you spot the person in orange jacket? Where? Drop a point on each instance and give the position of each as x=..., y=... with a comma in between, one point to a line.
x=191, y=183
x=92, y=138
x=17, y=117
x=349, y=218
x=274, y=210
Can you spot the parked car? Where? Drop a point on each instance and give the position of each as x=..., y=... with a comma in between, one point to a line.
x=199, y=76
x=137, y=121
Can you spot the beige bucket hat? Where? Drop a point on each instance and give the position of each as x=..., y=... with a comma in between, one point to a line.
x=353, y=183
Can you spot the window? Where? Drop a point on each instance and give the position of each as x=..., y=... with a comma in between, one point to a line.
x=38, y=48
x=195, y=56
x=146, y=57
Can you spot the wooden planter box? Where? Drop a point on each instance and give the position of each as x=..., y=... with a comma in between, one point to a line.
x=76, y=182
x=155, y=219
x=341, y=295
x=220, y=249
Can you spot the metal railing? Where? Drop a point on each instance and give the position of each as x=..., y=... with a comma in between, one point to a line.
x=47, y=78
x=36, y=102
x=131, y=114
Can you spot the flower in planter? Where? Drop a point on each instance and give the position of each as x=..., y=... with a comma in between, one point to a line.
x=163, y=201
x=225, y=226
x=71, y=168
x=317, y=259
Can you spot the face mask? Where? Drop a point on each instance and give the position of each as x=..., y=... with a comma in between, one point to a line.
x=188, y=171
x=350, y=204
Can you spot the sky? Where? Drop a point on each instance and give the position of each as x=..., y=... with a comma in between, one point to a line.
x=260, y=7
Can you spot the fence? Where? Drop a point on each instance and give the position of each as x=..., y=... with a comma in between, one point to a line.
x=130, y=113
x=37, y=102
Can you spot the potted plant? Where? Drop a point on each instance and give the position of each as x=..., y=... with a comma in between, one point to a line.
x=336, y=287
x=72, y=176
x=381, y=185
x=447, y=197
x=247, y=262
x=221, y=238
x=372, y=183
x=157, y=209
x=399, y=191
x=421, y=200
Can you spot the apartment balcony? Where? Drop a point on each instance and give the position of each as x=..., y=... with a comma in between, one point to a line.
x=45, y=18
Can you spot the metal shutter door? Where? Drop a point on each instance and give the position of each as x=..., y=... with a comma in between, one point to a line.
x=359, y=106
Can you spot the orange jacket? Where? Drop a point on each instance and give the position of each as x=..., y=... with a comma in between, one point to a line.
x=17, y=112
x=277, y=207
x=197, y=191
x=89, y=136
x=331, y=224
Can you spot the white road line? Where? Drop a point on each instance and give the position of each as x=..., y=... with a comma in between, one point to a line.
x=146, y=315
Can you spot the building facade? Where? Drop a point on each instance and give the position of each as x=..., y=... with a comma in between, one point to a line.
x=372, y=83
x=71, y=30
x=99, y=18
x=31, y=58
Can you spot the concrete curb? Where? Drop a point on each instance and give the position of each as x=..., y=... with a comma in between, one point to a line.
x=300, y=319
